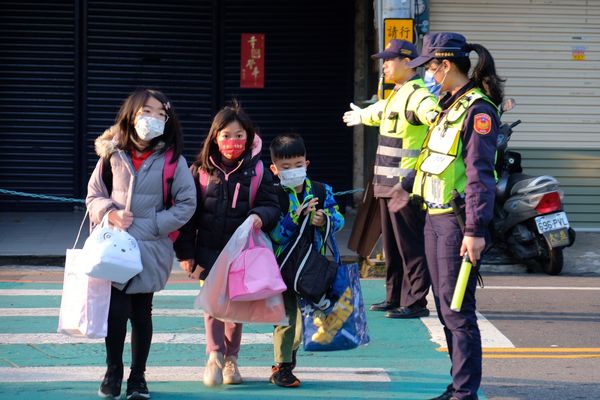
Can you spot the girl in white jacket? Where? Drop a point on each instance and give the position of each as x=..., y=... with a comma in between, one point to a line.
x=132, y=195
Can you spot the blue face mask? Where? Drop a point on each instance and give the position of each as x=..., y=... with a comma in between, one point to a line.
x=431, y=84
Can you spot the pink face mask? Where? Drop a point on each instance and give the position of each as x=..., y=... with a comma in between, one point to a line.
x=232, y=149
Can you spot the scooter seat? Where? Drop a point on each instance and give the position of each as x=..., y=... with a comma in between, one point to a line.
x=525, y=184
x=514, y=179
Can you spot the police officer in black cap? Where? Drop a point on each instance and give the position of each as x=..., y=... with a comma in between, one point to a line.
x=455, y=179
x=402, y=119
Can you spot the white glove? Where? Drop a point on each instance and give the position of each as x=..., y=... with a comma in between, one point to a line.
x=431, y=117
x=352, y=118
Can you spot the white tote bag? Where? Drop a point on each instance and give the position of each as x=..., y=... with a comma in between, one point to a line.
x=111, y=254
x=85, y=300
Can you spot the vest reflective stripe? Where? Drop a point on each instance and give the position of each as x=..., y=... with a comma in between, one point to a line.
x=391, y=172
x=399, y=141
x=396, y=152
x=440, y=167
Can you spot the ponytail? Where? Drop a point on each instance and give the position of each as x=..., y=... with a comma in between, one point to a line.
x=484, y=74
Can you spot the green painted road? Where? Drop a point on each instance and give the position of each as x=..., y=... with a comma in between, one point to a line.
x=400, y=362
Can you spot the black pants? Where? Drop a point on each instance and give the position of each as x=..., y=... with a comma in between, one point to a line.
x=443, y=238
x=137, y=308
x=407, y=280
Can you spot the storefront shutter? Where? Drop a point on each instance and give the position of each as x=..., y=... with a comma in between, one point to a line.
x=37, y=97
x=308, y=77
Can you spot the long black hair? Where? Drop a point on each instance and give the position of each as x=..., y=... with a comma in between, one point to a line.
x=172, y=136
x=484, y=74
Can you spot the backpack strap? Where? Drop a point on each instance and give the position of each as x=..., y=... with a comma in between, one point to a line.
x=259, y=169
x=106, y=173
x=168, y=176
x=204, y=180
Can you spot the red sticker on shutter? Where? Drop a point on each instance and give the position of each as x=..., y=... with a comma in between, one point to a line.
x=482, y=124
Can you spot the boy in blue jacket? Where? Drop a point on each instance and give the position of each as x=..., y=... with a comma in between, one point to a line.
x=289, y=163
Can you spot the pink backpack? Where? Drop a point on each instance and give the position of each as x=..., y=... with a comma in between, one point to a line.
x=254, y=274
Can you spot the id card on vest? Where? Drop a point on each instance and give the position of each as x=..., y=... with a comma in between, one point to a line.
x=436, y=163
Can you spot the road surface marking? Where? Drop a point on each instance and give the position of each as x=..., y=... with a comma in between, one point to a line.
x=58, y=292
x=187, y=374
x=169, y=338
x=53, y=312
x=490, y=335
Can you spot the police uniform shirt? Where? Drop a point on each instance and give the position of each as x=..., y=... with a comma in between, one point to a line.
x=479, y=138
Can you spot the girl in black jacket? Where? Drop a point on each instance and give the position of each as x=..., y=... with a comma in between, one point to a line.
x=223, y=171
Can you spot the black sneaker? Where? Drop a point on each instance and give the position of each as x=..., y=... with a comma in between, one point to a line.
x=137, y=388
x=111, y=384
x=282, y=375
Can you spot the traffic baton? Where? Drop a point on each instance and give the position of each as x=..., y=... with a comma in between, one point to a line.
x=461, y=284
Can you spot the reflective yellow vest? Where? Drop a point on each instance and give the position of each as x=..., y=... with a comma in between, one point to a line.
x=440, y=166
x=400, y=141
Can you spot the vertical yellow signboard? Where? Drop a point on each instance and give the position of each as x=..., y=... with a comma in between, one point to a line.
x=396, y=28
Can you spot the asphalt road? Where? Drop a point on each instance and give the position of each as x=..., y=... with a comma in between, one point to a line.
x=554, y=323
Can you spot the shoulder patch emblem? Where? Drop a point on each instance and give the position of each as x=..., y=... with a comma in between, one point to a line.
x=482, y=124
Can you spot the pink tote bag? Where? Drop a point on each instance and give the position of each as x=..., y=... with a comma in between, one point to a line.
x=254, y=274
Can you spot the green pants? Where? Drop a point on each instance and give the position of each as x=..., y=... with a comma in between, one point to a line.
x=286, y=339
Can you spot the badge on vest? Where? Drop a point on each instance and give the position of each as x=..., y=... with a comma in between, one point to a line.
x=436, y=163
x=482, y=124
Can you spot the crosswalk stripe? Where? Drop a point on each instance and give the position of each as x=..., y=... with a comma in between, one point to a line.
x=53, y=312
x=58, y=292
x=490, y=335
x=187, y=374
x=168, y=338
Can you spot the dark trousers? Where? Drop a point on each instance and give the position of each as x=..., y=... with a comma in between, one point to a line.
x=137, y=308
x=443, y=239
x=407, y=280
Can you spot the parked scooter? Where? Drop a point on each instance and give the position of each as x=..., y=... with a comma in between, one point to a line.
x=529, y=220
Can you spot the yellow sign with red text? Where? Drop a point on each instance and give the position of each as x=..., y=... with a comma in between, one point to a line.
x=396, y=28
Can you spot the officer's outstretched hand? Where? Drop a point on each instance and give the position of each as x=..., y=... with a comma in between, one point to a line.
x=399, y=198
x=352, y=117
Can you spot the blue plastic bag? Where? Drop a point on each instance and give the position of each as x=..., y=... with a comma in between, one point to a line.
x=343, y=326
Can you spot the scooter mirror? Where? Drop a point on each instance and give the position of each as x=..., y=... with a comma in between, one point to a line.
x=508, y=104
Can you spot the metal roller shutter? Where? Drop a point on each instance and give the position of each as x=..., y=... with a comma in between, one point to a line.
x=308, y=77
x=162, y=45
x=533, y=42
x=557, y=97
x=37, y=96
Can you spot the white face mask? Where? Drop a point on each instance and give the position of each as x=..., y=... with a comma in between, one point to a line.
x=431, y=84
x=149, y=128
x=429, y=79
x=292, y=177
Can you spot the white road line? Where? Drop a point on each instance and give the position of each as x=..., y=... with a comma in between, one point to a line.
x=169, y=338
x=194, y=292
x=490, y=335
x=187, y=374
x=53, y=312
x=539, y=288
x=58, y=292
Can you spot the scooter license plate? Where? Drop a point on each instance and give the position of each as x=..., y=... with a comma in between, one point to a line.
x=552, y=222
x=555, y=228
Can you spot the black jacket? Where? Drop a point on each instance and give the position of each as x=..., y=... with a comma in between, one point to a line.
x=217, y=217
